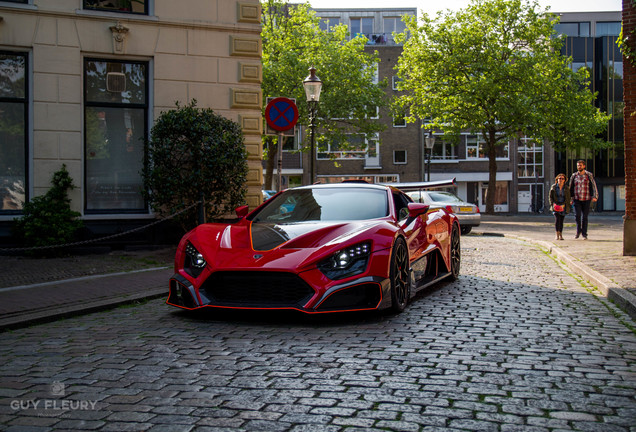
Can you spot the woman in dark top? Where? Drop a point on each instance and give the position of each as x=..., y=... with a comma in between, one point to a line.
x=559, y=203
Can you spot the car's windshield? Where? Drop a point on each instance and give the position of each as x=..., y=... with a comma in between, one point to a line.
x=324, y=204
x=443, y=197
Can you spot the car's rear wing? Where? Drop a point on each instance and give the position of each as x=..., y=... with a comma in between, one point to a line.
x=414, y=186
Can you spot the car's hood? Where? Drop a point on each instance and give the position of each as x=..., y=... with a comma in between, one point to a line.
x=268, y=245
x=268, y=236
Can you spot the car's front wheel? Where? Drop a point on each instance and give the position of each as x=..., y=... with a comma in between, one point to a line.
x=455, y=253
x=400, y=276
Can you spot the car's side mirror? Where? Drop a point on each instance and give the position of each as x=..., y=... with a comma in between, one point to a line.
x=242, y=211
x=416, y=209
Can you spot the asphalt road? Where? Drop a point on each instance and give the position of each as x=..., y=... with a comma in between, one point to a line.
x=516, y=344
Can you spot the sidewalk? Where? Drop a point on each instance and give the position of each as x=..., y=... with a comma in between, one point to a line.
x=599, y=260
x=39, y=290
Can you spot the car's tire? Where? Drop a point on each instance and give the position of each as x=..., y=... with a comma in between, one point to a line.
x=455, y=253
x=466, y=230
x=400, y=275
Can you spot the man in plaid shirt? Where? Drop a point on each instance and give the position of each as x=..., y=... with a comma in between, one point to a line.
x=584, y=192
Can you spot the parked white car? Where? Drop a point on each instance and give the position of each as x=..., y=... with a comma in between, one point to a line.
x=467, y=213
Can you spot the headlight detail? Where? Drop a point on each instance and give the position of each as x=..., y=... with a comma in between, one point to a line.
x=347, y=262
x=194, y=261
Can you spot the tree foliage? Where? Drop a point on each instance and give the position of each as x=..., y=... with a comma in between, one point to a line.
x=292, y=43
x=495, y=68
x=195, y=154
x=48, y=219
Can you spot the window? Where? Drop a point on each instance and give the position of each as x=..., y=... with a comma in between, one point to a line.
x=399, y=157
x=372, y=112
x=615, y=70
x=123, y=6
x=17, y=1
x=361, y=26
x=443, y=150
x=13, y=131
x=373, y=145
x=394, y=82
x=530, y=159
x=328, y=24
x=354, y=147
x=290, y=143
x=611, y=28
x=501, y=195
x=393, y=24
x=573, y=29
x=376, y=73
x=399, y=119
x=576, y=66
x=475, y=148
x=115, y=118
x=614, y=198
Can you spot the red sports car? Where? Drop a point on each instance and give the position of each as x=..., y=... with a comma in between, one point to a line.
x=317, y=249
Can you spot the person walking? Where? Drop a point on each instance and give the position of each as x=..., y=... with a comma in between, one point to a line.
x=559, y=203
x=583, y=192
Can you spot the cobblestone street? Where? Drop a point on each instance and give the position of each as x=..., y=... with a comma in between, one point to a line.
x=517, y=344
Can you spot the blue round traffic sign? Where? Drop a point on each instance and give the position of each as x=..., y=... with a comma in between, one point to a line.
x=281, y=114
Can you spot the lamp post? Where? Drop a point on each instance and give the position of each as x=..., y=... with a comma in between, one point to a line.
x=429, y=142
x=312, y=86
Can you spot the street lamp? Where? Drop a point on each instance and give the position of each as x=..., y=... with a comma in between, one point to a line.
x=429, y=142
x=312, y=86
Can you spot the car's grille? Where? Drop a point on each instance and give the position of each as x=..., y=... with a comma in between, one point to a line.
x=257, y=289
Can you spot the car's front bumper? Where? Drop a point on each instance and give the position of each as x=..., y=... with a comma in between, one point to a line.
x=365, y=293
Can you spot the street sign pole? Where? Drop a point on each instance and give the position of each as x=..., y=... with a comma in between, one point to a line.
x=281, y=137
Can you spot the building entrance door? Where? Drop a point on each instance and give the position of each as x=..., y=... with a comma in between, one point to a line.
x=524, y=199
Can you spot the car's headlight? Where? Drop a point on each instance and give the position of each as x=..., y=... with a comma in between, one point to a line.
x=194, y=261
x=347, y=262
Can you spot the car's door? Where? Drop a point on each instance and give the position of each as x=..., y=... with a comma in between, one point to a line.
x=414, y=227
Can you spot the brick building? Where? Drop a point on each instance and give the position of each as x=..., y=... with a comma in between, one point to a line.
x=629, y=92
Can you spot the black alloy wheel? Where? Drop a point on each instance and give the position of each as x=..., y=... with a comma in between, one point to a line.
x=455, y=253
x=400, y=276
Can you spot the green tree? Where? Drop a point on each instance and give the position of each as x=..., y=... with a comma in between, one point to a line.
x=495, y=68
x=195, y=155
x=292, y=43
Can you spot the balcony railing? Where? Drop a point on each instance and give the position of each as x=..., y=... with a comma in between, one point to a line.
x=378, y=38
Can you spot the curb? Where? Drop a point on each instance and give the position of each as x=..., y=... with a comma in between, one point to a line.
x=28, y=319
x=624, y=299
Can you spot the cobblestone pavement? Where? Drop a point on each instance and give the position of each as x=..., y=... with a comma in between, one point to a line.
x=516, y=344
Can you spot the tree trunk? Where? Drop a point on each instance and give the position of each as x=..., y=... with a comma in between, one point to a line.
x=491, y=148
x=272, y=151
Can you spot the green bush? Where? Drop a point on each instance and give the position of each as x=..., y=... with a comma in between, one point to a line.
x=194, y=153
x=48, y=219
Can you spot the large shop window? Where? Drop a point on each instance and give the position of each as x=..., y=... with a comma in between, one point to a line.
x=115, y=116
x=123, y=6
x=13, y=131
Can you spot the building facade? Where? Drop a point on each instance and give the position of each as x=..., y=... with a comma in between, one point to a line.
x=82, y=80
x=525, y=168
x=591, y=42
